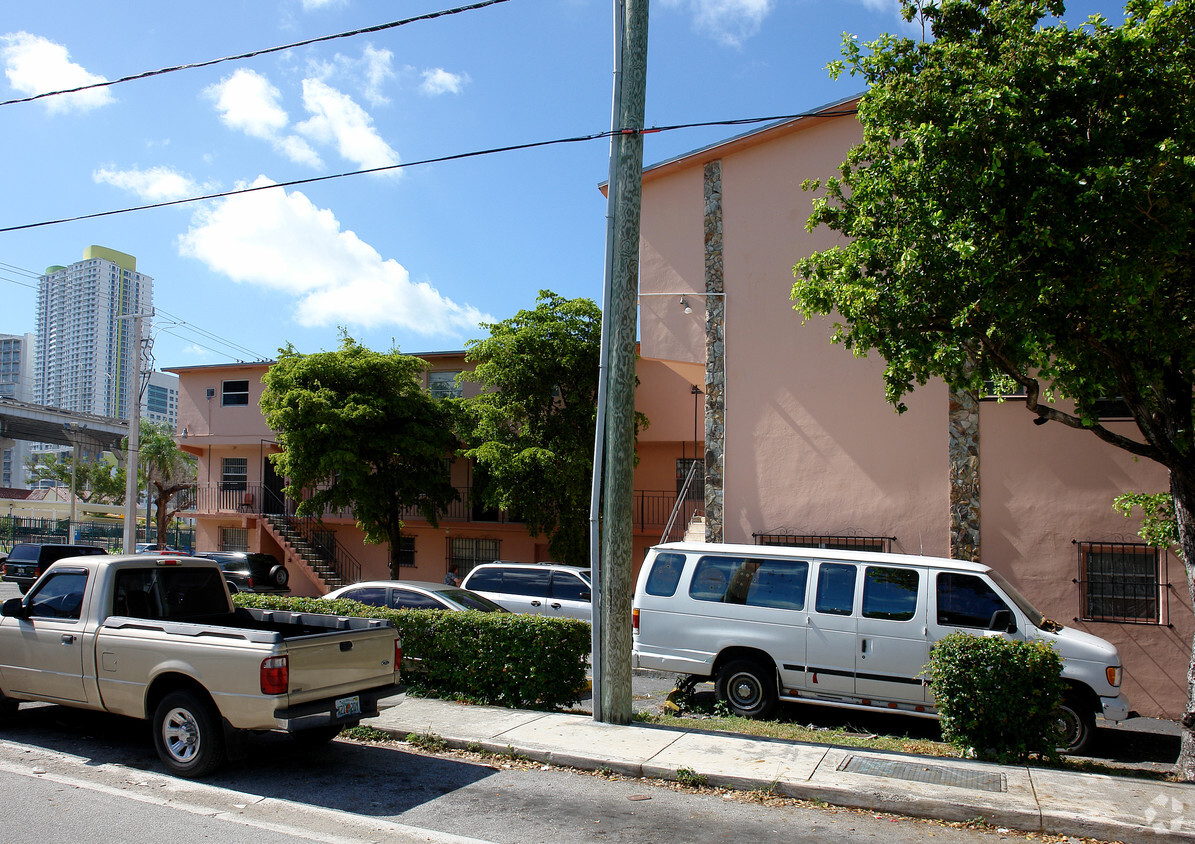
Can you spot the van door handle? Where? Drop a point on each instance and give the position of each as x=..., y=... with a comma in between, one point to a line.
x=535, y=603
x=863, y=646
x=68, y=638
x=555, y=605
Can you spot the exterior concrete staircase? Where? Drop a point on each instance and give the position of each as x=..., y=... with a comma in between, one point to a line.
x=302, y=552
x=695, y=532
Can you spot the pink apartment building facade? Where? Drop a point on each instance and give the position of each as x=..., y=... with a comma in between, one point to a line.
x=802, y=448
x=239, y=502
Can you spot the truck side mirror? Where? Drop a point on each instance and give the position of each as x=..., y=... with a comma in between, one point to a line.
x=1003, y=620
x=13, y=608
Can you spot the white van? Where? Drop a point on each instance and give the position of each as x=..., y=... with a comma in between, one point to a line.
x=843, y=628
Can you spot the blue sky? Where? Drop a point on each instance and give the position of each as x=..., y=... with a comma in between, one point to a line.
x=414, y=257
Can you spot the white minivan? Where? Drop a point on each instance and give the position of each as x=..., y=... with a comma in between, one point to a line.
x=843, y=628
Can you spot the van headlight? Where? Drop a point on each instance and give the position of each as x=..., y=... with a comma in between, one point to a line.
x=1114, y=673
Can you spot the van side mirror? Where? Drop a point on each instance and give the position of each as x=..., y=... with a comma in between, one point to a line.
x=1003, y=620
x=13, y=608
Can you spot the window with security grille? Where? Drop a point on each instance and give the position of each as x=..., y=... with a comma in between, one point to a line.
x=1120, y=581
x=234, y=539
x=443, y=385
x=467, y=552
x=838, y=543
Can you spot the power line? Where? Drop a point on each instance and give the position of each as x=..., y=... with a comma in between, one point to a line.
x=437, y=160
x=208, y=63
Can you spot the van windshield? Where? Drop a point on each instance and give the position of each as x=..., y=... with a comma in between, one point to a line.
x=1035, y=616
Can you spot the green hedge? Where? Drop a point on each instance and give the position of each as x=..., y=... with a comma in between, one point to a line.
x=507, y=659
x=997, y=698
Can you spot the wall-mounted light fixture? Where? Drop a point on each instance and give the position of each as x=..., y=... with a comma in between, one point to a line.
x=685, y=305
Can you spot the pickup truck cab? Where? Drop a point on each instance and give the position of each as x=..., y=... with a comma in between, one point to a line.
x=158, y=638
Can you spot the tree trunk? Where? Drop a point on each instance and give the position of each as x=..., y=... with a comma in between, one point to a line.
x=1182, y=489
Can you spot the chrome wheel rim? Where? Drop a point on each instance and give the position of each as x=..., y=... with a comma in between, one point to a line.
x=180, y=734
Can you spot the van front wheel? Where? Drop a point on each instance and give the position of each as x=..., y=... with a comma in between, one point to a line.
x=748, y=688
x=1076, y=723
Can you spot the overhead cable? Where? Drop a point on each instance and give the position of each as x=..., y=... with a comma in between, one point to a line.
x=364, y=31
x=440, y=159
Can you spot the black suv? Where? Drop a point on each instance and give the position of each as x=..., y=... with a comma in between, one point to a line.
x=251, y=572
x=27, y=561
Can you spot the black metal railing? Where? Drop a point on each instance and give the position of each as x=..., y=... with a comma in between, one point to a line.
x=323, y=544
x=835, y=542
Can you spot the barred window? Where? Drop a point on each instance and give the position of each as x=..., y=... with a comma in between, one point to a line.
x=405, y=553
x=443, y=385
x=837, y=543
x=234, y=539
x=1120, y=581
x=467, y=552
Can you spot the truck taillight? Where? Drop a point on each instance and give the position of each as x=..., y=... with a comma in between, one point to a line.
x=634, y=619
x=397, y=654
x=275, y=675
x=1114, y=673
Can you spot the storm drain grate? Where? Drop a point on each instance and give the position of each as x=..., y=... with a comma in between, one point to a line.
x=920, y=772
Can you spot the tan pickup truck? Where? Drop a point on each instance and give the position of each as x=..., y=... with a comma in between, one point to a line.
x=159, y=639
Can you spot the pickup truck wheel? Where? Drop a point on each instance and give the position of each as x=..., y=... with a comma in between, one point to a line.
x=1076, y=723
x=279, y=575
x=187, y=735
x=748, y=688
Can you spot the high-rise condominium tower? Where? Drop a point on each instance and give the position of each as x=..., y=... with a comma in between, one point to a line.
x=84, y=349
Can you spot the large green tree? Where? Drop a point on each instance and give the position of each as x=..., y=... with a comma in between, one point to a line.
x=359, y=432
x=165, y=470
x=99, y=481
x=530, y=430
x=1022, y=205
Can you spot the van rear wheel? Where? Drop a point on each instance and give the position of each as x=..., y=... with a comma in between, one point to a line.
x=748, y=688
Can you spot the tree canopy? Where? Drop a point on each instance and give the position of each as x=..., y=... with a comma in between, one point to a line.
x=1022, y=206
x=359, y=432
x=99, y=481
x=531, y=429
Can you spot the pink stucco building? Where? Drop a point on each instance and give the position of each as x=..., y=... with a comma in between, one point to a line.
x=802, y=447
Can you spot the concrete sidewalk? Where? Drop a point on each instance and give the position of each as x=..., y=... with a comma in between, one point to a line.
x=1062, y=802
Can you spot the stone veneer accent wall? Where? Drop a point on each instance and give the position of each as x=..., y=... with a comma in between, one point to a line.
x=964, y=476
x=715, y=354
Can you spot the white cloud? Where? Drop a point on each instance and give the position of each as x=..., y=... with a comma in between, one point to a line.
x=336, y=119
x=439, y=81
x=249, y=103
x=157, y=184
x=310, y=5
x=729, y=21
x=35, y=65
x=369, y=73
x=282, y=242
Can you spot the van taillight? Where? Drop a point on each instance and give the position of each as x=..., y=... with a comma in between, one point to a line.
x=397, y=654
x=275, y=675
x=634, y=619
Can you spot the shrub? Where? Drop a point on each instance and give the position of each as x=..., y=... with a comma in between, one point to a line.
x=508, y=659
x=997, y=698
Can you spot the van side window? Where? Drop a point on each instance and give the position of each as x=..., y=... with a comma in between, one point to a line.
x=664, y=575
x=527, y=582
x=890, y=594
x=779, y=584
x=711, y=577
x=965, y=600
x=569, y=587
x=835, y=588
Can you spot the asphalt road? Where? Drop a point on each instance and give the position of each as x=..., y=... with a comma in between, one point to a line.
x=71, y=775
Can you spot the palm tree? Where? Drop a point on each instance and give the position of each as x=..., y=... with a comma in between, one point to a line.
x=166, y=469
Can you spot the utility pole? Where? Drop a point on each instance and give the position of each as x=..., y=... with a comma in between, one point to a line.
x=612, y=649
x=134, y=400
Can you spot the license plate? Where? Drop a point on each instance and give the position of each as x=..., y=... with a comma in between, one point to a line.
x=347, y=706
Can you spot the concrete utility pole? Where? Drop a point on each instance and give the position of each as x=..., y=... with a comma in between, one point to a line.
x=612, y=663
x=131, y=487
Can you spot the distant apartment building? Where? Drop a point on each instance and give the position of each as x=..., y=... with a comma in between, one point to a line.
x=159, y=402
x=84, y=346
x=16, y=382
